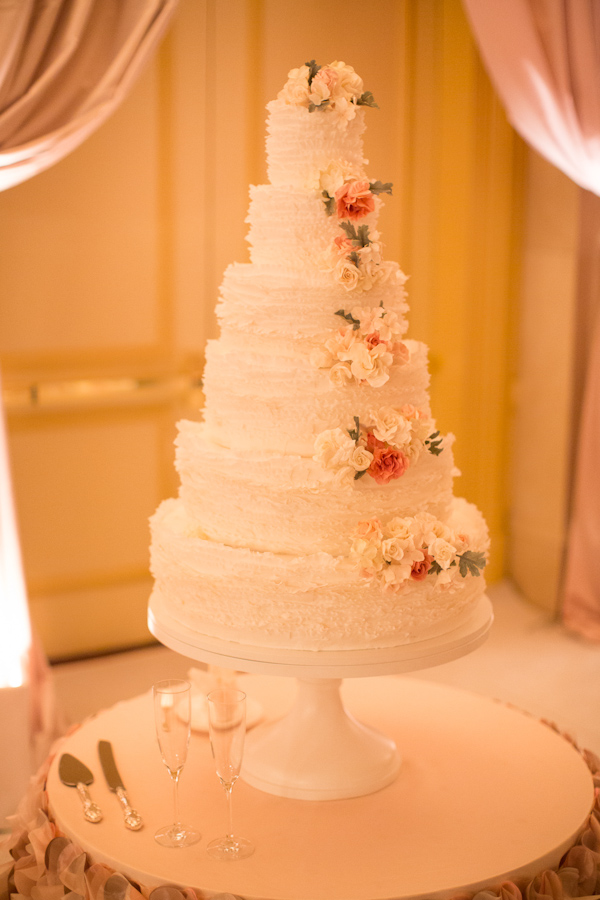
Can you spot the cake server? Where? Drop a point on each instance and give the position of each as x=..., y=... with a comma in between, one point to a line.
x=133, y=820
x=74, y=773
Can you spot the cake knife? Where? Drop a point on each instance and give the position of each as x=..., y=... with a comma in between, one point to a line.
x=133, y=820
x=74, y=773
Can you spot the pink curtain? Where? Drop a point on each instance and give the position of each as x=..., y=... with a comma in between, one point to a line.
x=65, y=65
x=543, y=57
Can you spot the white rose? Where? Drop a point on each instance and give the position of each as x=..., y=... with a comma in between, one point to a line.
x=367, y=554
x=336, y=174
x=340, y=374
x=346, y=273
x=349, y=83
x=401, y=528
x=362, y=362
x=392, y=549
x=388, y=325
x=361, y=459
x=413, y=450
x=321, y=358
x=332, y=447
x=385, y=422
x=319, y=91
x=295, y=90
x=341, y=341
x=443, y=553
x=394, y=576
x=342, y=112
x=382, y=360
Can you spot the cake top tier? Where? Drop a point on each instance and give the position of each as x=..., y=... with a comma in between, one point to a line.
x=318, y=117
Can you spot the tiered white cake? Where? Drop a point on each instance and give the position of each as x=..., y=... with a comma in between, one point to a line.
x=316, y=507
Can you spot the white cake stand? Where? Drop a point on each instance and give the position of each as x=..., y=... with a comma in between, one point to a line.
x=319, y=751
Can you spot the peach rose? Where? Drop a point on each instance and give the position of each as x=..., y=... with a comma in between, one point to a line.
x=369, y=528
x=322, y=85
x=354, y=200
x=374, y=443
x=387, y=465
x=420, y=569
x=401, y=353
x=343, y=245
x=373, y=339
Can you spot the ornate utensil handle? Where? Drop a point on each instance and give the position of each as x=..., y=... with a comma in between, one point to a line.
x=91, y=810
x=133, y=820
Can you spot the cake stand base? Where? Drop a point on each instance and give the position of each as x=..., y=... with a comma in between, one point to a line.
x=319, y=751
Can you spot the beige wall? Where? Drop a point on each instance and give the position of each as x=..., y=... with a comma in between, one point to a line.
x=110, y=264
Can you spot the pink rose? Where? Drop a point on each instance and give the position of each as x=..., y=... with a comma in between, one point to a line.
x=343, y=244
x=401, y=352
x=373, y=339
x=354, y=200
x=420, y=570
x=329, y=77
x=387, y=464
x=374, y=443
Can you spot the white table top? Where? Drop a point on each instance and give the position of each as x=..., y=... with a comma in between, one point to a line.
x=485, y=793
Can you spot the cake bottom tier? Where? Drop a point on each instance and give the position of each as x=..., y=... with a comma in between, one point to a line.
x=313, y=602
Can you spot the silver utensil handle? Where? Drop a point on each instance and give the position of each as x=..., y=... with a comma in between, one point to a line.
x=133, y=820
x=91, y=810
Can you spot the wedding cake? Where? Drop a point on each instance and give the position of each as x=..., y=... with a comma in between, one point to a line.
x=316, y=508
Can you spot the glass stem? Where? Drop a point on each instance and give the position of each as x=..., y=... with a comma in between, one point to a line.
x=175, y=777
x=228, y=791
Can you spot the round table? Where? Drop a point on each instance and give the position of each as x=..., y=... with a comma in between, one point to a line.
x=485, y=793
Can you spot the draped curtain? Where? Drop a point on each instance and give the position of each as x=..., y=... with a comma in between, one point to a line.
x=65, y=66
x=543, y=57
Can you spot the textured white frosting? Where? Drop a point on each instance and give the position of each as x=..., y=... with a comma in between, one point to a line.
x=257, y=547
x=290, y=504
x=300, y=143
x=308, y=602
x=264, y=393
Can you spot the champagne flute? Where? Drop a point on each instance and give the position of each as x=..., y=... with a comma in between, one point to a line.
x=227, y=727
x=172, y=716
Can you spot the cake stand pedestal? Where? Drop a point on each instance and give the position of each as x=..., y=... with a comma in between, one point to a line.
x=319, y=751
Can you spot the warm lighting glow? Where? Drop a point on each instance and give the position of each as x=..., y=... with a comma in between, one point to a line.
x=15, y=631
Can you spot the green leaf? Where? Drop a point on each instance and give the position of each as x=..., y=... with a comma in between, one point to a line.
x=363, y=235
x=470, y=563
x=378, y=187
x=350, y=230
x=329, y=203
x=358, y=475
x=355, y=432
x=434, y=443
x=366, y=99
x=435, y=568
x=354, y=257
x=313, y=68
x=349, y=318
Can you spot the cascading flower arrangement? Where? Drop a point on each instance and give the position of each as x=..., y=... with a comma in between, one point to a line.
x=335, y=88
x=383, y=447
x=364, y=350
x=414, y=548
